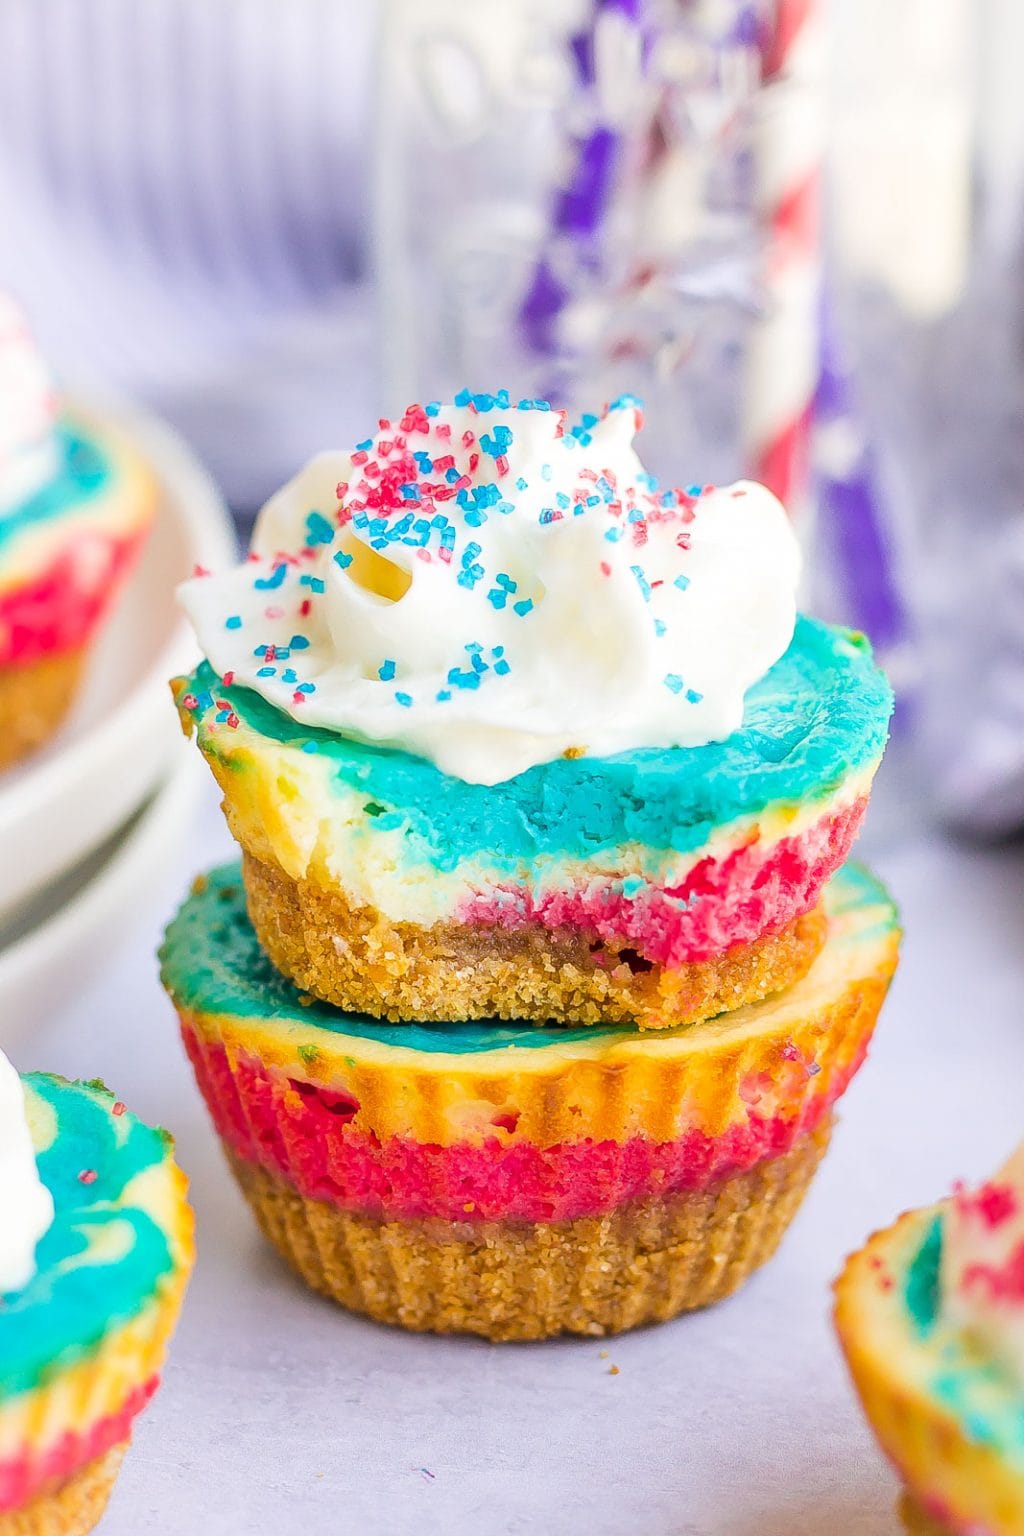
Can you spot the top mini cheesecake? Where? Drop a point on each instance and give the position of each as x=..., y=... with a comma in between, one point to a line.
x=505, y=731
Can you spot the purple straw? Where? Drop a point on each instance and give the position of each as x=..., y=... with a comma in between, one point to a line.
x=581, y=205
x=851, y=501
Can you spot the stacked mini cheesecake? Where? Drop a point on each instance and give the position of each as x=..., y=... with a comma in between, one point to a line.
x=528, y=1005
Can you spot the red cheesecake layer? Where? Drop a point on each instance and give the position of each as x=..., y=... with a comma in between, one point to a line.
x=754, y=891
x=304, y=1133
x=37, y=1467
x=61, y=606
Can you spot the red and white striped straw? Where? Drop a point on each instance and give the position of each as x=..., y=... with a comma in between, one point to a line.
x=783, y=356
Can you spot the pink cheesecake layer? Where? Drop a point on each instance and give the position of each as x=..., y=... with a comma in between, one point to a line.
x=755, y=891
x=305, y=1133
x=59, y=609
x=38, y=1467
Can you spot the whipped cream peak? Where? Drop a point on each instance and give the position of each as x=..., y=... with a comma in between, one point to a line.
x=490, y=586
x=982, y=1272
x=28, y=446
x=26, y=1205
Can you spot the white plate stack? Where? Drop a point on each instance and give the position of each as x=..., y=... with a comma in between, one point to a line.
x=89, y=824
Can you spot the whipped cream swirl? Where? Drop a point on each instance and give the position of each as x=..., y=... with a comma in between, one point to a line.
x=982, y=1276
x=28, y=448
x=26, y=1205
x=484, y=586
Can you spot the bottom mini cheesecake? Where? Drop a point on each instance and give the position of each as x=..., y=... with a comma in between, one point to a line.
x=949, y=1420
x=517, y=1181
x=83, y=1343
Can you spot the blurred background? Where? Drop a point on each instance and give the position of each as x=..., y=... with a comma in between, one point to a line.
x=793, y=227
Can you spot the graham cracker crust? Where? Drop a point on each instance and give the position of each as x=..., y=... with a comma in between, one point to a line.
x=359, y=960
x=71, y=1508
x=643, y=1263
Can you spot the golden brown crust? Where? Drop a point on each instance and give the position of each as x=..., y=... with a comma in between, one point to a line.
x=34, y=700
x=357, y=959
x=71, y=1508
x=643, y=1263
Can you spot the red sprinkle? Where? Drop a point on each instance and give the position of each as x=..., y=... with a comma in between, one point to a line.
x=87, y=1176
x=118, y=1108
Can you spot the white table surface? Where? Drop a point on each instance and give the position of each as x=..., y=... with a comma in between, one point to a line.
x=280, y=1414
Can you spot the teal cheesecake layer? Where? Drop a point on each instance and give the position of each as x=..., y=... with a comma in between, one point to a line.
x=211, y=963
x=987, y=1402
x=816, y=720
x=84, y=472
x=104, y=1257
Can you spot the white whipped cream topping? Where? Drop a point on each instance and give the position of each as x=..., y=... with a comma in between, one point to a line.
x=483, y=587
x=982, y=1274
x=26, y=1205
x=28, y=451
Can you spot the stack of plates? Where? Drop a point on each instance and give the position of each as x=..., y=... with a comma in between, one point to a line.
x=93, y=820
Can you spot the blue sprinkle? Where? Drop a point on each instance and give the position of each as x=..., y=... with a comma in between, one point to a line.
x=563, y=500
x=521, y=483
x=534, y=405
x=475, y=518
x=386, y=671
x=504, y=580
x=424, y=463
x=306, y=688
x=283, y=653
x=694, y=490
x=659, y=627
x=266, y=671
x=674, y=681
x=501, y=667
x=634, y=515
x=473, y=647
x=524, y=607
x=642, y=582
x=545, y=471
x=479, y=665
x=624, y=402
x=470, y=552
x=463, y=397
x=497, y=442
x=682, y=582
x=270, y=583
x=318, y=530
x=299, y=643
x=342, y=560
x=315, y=583
x=432, y=407
x=497, y=598
x=364, y=447
x=469, y=577
x=288, y=675
x=410, y=492
x=497, y=650
x=613, y=535
x=405, y=699
x=460, y=679
x=234, y=622
x=453, y=474
x=309, y=746
x=548, y=515
x=443, y=696
x=692, y=696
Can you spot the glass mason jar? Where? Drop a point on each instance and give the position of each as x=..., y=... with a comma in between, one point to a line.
x=567, y=206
